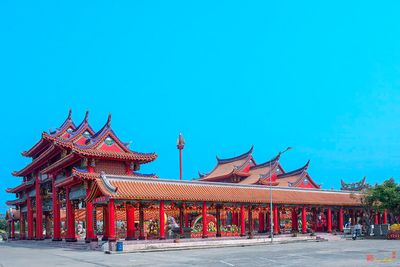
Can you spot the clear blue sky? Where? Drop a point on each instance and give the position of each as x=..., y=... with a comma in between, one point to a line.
x=320, y=77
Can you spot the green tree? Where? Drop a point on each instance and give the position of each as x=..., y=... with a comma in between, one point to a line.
x=385, y=196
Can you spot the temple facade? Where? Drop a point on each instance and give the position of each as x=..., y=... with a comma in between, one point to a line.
x=86, y=184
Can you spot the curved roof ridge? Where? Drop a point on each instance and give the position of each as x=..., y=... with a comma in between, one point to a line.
x=267, y=163
x=242, y=156
x=68, y=123
x=82, y=127
x=295, y=172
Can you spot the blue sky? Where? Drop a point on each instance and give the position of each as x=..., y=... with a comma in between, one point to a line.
x=320, y=77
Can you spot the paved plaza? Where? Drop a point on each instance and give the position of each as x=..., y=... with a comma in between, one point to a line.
x=331, y=253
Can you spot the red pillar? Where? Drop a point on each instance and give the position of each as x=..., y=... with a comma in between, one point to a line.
x=186, y=215
x=218, y=215
x=162, y=220
x=141, y=222
x=130, y=222
x=204, y=215
x=250, y=219
x=111, y=220
x=181, y=220
x=47, y=226
x=105, y=224
x=385, y=216
x=341, y=219
x=268, y=220
x=276, y=220
x=39, y=210
x=304, y=220
x=12, y=234
x=30, y=217
x=21, y=224
x=261, y=224
x=70, y=218
x=90, y=236
x=376, y=218
x=329, y=220
x=295, y=227
x=242, y=221
x=56, y=214
x=234, y=218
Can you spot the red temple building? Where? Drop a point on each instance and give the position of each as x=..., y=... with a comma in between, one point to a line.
x=82, y=178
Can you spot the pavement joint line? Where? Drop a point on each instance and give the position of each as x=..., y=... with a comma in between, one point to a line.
x=227, y=263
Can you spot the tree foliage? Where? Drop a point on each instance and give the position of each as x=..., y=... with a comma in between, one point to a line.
x=385, y=196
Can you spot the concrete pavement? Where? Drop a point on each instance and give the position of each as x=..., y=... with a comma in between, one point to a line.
x=331, y=253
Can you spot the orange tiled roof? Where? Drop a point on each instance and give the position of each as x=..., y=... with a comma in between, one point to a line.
x=261, y=171
x=231, y=166
x=141, y=189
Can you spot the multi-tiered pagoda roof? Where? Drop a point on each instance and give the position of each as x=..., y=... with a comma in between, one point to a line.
x=79, y=142
x=70, y=145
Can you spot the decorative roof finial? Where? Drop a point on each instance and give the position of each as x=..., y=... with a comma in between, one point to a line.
x=180, y=142
x=109, y=120
x=70, y=114
x=86, y=116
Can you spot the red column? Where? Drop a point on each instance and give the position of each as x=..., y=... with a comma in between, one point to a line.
x=105, y=224
x=39, y=210
x=268, y=220
x=376, y=218
x=21, y=224
x=70, y=218
x=218, y=215
x=261, y=224
x=242, y=221
x=111, y=220
x=250, y=219
x=12, y=234
x=130, y=222
x=181, y=220
x=341, y=219
x=186, y=215
x=204, y=215
x=276, y=220
x=56, y=214
x=234, y=218
x=47, y=226
x=141, y=222
x=295, y=227
x=90, y=236
x=162, y=220
x=385, y=216
x=30, y=217
x=329, y=218
x=304, y=220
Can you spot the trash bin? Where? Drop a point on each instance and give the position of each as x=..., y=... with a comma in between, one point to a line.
x=120, y=246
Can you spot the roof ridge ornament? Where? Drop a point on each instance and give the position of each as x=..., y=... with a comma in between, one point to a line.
x=86, y=116
x=107, y=183
x=69, y=114
x=242, y=156
x=109, y=120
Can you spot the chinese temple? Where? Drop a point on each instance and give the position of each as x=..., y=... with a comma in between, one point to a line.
x=87, y=184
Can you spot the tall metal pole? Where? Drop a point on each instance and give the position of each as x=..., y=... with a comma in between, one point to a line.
x=271, y=227
x=180, y=145
x=270, y=196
